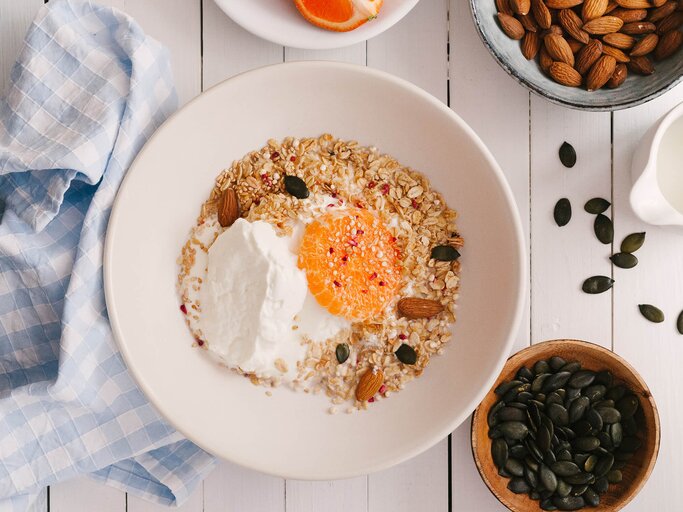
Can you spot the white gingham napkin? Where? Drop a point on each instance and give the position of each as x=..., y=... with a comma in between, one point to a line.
x=88, y=90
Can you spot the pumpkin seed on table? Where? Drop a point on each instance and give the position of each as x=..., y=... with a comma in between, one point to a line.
x=406, y=354
x=633, y=242
x=296, y=187
x=597, y=205
x=342, y=352
x=562, y=212
x=445, y=253
x=624, y=260
x=597, y=284
x=604, y=229
x=567, y=155
x=652, y=313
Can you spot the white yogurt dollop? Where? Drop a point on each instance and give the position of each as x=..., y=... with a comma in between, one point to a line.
x=255, y=304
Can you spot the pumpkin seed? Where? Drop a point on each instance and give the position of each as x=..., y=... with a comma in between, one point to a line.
x=564, y=455
x=579, y=490
x=679, y=323
x=590, y=463
x=549, y=458
x=596, y=205
x=563, y=488
x=591, y=498
x=534, y=415
x=499, y=452
x=614, y=476
x=624, y=260
x=562, y=212
x=652, y=313
x=595, y=392
x=445, y=253
x=604, y=377
x=601, y=485
x=571, y=367
x=604, y=229
x=406, y=354
x=556, y=381
x=597, y=284
x=556, y=362
x=565, y=468
x=513, y=430
x=518, y=451
x=583, y=428
x=605, y=440
x=553, y=398
x=616, y=393
x=580, y=479
x=558, y=414
x=495, y=433
x=531, y=477
x=586, y=444
x=543, y=438
x=608, y=414
x=616, y=432
x=296, y=187
x=567, y=154
x=632, y=242
x=531, y=463
x=511, y=414
x=524, y=374
x=547, y=478
x=604, y=465
x=518, y=486
x=581, y=379
x=342, y=352
x=514, y=467
x=569, y=502
x=537, y=384
x=578, y=408
x=504, y=387
x=627, y=405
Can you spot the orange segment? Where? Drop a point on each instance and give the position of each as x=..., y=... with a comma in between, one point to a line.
x=338, y=15
x=352, y=263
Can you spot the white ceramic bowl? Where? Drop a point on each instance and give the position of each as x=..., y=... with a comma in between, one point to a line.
x=290, y=434
x=280, y=22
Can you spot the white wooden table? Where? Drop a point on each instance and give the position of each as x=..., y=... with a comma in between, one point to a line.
x=436, y=47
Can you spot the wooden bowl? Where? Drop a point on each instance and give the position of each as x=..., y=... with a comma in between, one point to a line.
x=592, y=357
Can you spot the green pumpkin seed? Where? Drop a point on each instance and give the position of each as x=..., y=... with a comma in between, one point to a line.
x=547, y=504
x=597, y=284
x=558, y=414
x=499, y=452
x=581, y=379
x=556, y=362
x=591, y=498
x=571, y=367
x=342, y=352
x=504, y=387
x=531, y=463
x=563, y=488
x=296, y=187
x=567, y=154
x=624, y=260
x=562, y=212
x=604, y=229
x=590, y=463
x=406, y=354
x=580, y=479
x=616, y=432
x=556, y=381
x=601, y=485
x=578, y=408
x=627, y=405
x=547, y=478
x=513, y=430
x=537, y=384
x=586, y=444
x=565, y=468
x=491, y=416
x=604, y=377
x=608, y=414
x=541, y=367
x=579, y=490
x=569, y=502
x=543, y=438
x=514, y=467
x=652, y=313
x=633, y=242
x=605, y=440
x=519, y=486
x=511, y=414
x=595, y=393
x=524, y=374
x=445, y=253
x=564, y=455
x=597, y=205
x=616, y=393
x=531, y=477
x=518, y=451
x=553, y=398
x=614, y=476
x=549, y=458
x=604, y=465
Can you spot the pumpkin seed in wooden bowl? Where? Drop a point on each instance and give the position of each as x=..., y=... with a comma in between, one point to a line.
x=567, y=425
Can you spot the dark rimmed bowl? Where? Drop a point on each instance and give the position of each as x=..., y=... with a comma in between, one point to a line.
x=634, y=91
x=593, y=357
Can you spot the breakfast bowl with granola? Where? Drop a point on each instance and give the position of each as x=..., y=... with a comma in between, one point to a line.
x=339, y=258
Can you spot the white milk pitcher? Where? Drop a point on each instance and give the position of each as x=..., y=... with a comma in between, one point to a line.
x=657, y=193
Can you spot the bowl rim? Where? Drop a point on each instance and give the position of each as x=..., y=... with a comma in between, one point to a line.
x=553, y=98
x=527, y=353
x=520, y=282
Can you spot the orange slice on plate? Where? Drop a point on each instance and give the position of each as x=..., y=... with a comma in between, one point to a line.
x=352, y=264
x=338, y=15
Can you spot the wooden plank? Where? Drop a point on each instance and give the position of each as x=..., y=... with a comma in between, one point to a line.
x=229, y=49
x=501, y=119
x=330, y=496
x=355, y=54
x=195, y=503
x=230, y=487
x=564, y=257
x=15, y=18
x=85, y=495
x=655, y=350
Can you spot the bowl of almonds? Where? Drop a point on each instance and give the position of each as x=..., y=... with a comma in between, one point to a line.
x=597, y=55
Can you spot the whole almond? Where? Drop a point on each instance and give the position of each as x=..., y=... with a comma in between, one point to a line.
x=369, y=384
x=638, y=27
x=592, y=9
x=618, y=77
x=645, y=45
x=541, y=13
x=575, y=46
x=554, y=29
x=641, y=65
x=558, y=48
x=504, y=7
x=572, y=24
x=630, y=15
x=671, y=22
x=521, y=7
x=601, y=72
x=531, y=43
x=634, y=4
x=668, y=44
x=619, y=40
x=618, y=55
x=564, y=74
x=603, y=25
x=563, y=4
x=228, y=208
x=658, y=3
x=511, y=26
x=414, y=307
x=662, y=12
x=611, y=5
x=544, y=60
x=588, y=55
x=528, y=22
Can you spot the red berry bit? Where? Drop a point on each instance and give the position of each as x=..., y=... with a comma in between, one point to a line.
x=385, y=189
x=373, y=276
x=371, y=399
x=402, y=337
x=200, y=342
x=345, y=258
x=372, y=184
x=292, y=159
x=382, y=283
x=331, y=250
x=414, y=203
x=382, y=389
x=183, y=308
x=337, y=284
x=274, y=155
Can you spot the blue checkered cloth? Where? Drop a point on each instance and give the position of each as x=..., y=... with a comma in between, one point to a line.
x=88, y=90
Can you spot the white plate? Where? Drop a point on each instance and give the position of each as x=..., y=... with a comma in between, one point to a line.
x=290, y=434
x=279, y=21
